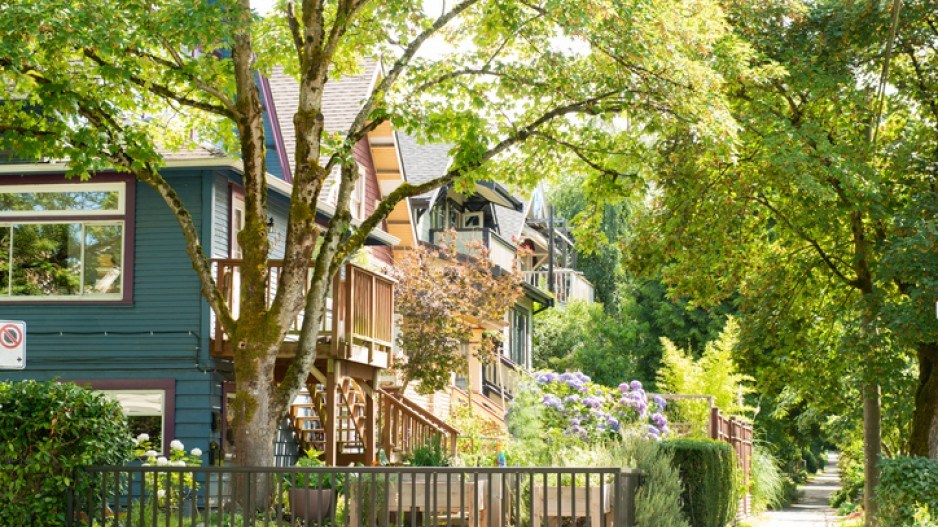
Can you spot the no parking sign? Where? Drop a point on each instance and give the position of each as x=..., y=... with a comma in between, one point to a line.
x=12, y=344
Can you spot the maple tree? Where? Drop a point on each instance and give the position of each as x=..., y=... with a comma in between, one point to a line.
x=522, y=90
x=447, y=300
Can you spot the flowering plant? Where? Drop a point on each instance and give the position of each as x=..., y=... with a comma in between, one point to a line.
x=172, y=487
x=585, y=411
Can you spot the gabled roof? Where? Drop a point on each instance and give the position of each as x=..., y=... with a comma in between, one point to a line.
x=341, y=101
x=423, y=162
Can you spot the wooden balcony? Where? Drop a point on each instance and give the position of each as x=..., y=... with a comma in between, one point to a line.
x=569, y=284
x=501, y=252
x=357, y=325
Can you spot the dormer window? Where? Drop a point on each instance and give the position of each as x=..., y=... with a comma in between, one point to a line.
x=64, y=242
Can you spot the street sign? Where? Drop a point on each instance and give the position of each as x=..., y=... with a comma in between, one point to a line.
x=12, y=344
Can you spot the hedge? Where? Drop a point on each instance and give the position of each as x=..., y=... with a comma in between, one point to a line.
x=908, y=492
x=708, y=474
x=47, y=430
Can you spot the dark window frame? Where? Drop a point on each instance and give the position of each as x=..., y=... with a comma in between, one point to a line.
x=128, y=217
x=168, y=386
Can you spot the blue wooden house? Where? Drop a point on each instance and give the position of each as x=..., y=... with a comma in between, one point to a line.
x=98, y=271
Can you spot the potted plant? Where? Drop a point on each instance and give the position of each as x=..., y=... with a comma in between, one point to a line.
x=312, y=495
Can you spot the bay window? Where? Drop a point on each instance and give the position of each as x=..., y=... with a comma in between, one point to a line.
x=65, y=241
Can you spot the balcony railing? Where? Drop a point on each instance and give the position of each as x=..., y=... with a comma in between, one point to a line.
x=406, y=426
x=501, y=252
x=359, y=318
x=569, y=284
x=136, y=496
x=502, y=377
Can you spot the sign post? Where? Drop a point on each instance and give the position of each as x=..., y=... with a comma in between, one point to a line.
x=12, y=344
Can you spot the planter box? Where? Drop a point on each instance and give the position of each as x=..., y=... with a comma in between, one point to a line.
x=462, y=503
x=313, y=505
x=573, y=501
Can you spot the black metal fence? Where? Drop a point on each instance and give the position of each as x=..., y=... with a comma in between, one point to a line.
x=354, y=497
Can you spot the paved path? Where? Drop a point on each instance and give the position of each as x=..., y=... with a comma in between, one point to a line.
x=812, y=510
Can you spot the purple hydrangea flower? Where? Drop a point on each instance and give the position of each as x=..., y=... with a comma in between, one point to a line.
x=552, y=401
x=592, y=401
x=659, y=400
x=571, y=399
x=635, y=385
x=624, y=387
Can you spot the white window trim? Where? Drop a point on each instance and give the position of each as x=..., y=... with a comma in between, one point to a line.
x=119, y=187
x=7, y=296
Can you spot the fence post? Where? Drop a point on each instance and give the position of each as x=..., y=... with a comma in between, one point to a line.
x=70, y=502
x=625, y=490
x=714, y=423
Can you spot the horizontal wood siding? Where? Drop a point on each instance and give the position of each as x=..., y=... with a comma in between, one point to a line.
x=362, y=154
x=158, y=336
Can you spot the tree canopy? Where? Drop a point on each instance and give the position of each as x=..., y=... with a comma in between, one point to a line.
x=521, y=89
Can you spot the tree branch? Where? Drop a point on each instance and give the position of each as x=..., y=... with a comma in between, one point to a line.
x=577, y=151
x=294, y=25
x=814, y=243
x=358, y=129
x=164, y=91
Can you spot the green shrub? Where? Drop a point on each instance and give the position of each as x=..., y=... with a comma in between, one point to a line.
x=657, y=503
x=767, y=480
x=851, y=483
x=907, y=492
x=431, y=454
x=708, y=473
x=47, y=430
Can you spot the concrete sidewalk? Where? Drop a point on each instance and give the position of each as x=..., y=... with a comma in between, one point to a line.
x=812, y=510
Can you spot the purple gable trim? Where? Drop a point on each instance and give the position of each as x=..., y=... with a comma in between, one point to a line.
x=264, y=85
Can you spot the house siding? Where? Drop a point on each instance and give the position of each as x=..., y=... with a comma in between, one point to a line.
x=362, y=154
x=159, y=336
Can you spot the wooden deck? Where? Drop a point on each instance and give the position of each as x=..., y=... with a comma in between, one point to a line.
x=357, y=326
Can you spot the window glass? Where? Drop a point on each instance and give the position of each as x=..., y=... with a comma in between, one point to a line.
x=66, y=198
x=46, y=259
x=102, y=259
x=58, y=201
x=61, y=259
x=46, y=256
x=144, y=410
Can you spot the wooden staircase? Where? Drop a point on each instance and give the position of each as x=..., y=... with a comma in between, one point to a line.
x=405, y=426
x=309, y=419
x=402, y=424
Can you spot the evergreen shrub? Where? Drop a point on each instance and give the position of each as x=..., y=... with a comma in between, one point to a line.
x=908, y=492
x=708, y=473
x=47, y=431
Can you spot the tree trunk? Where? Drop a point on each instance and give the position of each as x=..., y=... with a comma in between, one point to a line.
x=872, y=444
x=924, y=440
x=257, y=415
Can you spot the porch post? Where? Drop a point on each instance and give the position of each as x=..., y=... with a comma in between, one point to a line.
x=330, y=425
x=371, y=419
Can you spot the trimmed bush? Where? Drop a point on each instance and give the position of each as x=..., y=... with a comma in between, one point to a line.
x=908, y=492
x=708, y=474
x=47, y=430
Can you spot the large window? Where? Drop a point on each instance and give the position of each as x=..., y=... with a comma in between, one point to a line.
x=63, y=241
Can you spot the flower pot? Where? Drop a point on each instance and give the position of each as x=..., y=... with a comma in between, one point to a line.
x=313, y=505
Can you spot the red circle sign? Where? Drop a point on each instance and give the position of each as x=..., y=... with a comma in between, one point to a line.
x=11, y=336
